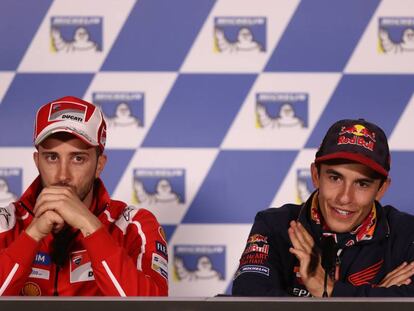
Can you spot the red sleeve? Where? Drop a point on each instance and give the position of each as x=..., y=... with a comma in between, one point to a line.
x=16, y=264
x=136, y=268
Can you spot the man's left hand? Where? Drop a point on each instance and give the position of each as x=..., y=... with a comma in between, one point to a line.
x=399, y=276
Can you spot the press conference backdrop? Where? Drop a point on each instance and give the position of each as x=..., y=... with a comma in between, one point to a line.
x=214, y=108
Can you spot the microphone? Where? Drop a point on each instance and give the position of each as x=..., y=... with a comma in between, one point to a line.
x=328, y=257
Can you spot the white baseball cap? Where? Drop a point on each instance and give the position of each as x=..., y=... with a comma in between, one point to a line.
x=72, y=115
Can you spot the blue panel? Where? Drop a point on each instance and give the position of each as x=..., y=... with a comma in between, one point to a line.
x=380, y=99
x=26, y=94
x=199, y=110
x=400, y=194
x=158, y=34
x=239, y=184
x=322, y=35
x=115, y=167
x=19, y=21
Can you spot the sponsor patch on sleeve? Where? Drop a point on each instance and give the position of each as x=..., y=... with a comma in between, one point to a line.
x=161, y=249
x=160, y=265
x=253, y=269
x=42, y=259
x=80, y=267
x=39, y=274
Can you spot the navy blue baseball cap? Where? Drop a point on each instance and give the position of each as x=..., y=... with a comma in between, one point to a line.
x=356, y=140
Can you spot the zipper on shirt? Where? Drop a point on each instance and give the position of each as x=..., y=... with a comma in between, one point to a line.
x=55, y=287
x=337, y=268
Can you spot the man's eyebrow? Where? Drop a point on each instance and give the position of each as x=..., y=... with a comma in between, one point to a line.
x=332, y=171
x=366, y=180
x=362, y=179
x=71, y=153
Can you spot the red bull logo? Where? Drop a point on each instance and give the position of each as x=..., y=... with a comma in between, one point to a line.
x=257, y=249
x=361, y=136
x=358, y=130
x=257, y=238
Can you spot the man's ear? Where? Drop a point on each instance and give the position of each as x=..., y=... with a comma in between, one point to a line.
x=315, y=176
x=383, y=189
x=36, y=159
x=100, y=165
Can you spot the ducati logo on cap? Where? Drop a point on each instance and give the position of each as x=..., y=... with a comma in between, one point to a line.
x=67, y=111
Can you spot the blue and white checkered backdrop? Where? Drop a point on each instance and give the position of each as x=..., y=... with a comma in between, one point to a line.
x=215, y=108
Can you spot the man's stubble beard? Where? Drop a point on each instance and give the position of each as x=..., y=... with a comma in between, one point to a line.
x=81, y=193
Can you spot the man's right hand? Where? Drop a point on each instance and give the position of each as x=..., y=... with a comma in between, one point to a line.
x=42, y=225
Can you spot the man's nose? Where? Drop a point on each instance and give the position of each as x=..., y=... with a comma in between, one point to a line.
x=345, y=194
x=63, y=173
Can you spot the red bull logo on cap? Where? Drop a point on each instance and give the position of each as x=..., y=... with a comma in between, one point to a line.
x=361, y=136
x=358, y=130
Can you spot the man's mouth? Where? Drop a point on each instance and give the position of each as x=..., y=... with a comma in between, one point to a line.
x=342, y=212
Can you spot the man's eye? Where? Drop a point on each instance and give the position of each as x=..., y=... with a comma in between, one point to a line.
x=79, y=159
x=334, y=178
x=51, y=157
x=363, y=184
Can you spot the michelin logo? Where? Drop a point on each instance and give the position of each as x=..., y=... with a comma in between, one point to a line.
x=281, y=110
x=240, y=34
x=255, y=269
x=124, y=115
x=199, y=262
x=162, y=187
x=76, y=34
x=396, y=34
x=121, y=109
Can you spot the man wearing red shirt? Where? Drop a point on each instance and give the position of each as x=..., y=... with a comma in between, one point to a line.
x=65, y=236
